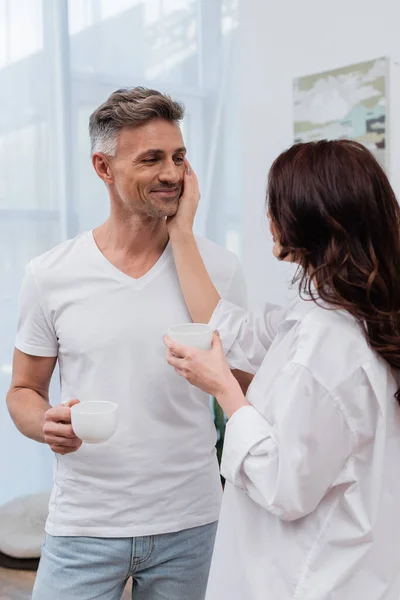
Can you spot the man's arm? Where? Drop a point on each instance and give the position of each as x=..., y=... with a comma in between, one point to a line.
x=28, y=397
x=29, y=407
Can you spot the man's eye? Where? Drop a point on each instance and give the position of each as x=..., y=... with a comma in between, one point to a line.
x=149, y=160
x=179, y=159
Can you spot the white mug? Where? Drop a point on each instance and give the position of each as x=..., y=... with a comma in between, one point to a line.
x=195, y=335
x=94, y=421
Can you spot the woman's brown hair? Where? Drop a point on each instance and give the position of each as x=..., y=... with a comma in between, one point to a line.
x=338, y=217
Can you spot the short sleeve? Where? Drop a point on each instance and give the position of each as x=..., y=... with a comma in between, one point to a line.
x=35, y=333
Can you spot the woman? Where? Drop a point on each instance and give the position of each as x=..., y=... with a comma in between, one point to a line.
x=312, y=454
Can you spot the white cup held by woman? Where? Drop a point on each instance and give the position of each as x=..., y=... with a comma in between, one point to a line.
x=195, y=335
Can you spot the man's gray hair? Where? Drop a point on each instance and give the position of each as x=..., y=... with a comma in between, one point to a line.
x=129, y=107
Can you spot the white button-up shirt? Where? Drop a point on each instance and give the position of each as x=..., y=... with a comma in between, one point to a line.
x=311, y=509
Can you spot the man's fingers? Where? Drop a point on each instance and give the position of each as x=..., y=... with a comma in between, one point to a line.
x=63, y=450
x=55, y=440
x=72, y=402
x=58, y=429
x=61, y=412
x=58, y=413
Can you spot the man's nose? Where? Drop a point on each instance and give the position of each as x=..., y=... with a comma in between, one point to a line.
x=170, y=173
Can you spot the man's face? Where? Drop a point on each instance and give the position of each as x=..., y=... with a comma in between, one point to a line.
x=148, y=168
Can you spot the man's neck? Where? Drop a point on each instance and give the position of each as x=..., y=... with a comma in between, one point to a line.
x=133, y=236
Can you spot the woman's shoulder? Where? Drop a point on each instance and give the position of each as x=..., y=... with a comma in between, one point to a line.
x=330, y=342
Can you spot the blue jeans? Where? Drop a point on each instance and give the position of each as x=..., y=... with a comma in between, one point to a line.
x=170, y=566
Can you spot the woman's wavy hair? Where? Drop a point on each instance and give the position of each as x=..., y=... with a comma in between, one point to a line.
x=337, y=216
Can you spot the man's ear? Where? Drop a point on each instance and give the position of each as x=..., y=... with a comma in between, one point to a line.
x=101, y=164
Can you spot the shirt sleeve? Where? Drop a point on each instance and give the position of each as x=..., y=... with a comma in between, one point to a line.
x=289, y=464
x=246, y=336
x=35, y=333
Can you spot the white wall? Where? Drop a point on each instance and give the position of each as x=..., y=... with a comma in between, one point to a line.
x=279, y=40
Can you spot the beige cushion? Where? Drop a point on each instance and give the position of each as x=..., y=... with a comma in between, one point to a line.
x=22, y=525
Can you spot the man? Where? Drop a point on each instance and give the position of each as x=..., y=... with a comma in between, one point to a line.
x=145, y=503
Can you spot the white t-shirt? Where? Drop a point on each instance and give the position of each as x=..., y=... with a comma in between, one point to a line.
x=158, y=473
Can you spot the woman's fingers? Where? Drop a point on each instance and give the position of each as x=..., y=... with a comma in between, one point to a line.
x=181, y=373
x=190, y=172
x=174, y=361
x=190, y=183
x=175, y=348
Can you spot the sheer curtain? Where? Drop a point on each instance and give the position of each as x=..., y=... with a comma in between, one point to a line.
x=58, y=61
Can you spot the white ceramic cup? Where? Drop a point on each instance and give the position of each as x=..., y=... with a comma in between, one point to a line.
x=195, y=335
x=94, y=421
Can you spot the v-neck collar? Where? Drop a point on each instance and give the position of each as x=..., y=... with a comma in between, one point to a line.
x=138, y=283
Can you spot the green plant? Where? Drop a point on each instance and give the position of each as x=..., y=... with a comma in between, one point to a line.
x=220, y=424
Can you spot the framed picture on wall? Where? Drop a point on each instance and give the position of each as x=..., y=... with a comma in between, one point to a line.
x=349, y=102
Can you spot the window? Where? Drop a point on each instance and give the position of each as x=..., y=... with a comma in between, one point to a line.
x=56, y=66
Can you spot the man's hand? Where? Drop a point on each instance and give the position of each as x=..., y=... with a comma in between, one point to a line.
x=57, y=429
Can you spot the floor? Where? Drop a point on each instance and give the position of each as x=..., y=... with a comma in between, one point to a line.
x=17, y=585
